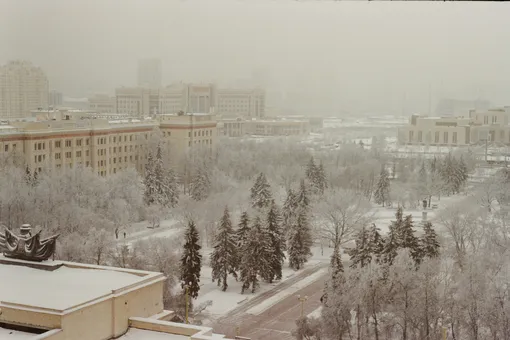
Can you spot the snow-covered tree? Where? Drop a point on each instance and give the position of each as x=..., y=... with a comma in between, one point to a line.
x=191, y=261
x=408, y=240
x=150, y=180
x=224, y=255
x=300, y=242
x=261, y=192
x=311, y=170
x=429, y=242
x=277, y=241
x=302, y=196
x=382, y=191
x=243, y=229
x=342, y=213
x=308, y=329
x=256, y=257
x=289, y=211
x=160, y=184
x=200, y=183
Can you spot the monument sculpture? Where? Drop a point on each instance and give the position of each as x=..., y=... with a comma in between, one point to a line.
x=27, y=246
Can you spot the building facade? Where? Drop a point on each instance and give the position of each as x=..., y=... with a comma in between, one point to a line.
x=105, y=145
x=149, y=73
x=101, y=103
x=23, y=87
x=55, y=98
x=492, y=125
x=140, y=101
x=246, y=103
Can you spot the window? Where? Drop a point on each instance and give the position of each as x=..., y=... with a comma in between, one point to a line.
x=68, y=154
x=436, y=137
x=411, y=135
x=35, y=146
x=87, y=153
x=114, y=149
x=87, y=141
x=189, y=133
x=57, y=144
x=68, y=143
x=114, y=139
x=420, y=137
x=130, y=138
x=445, y=137
x=485, y=119
x=78, y=142
x=454, y=138
x=39, y=158
x=125, y=148
x=57, y=155
x=87, y=163
x=494, y=119
x=78, y=153
x=6, y=147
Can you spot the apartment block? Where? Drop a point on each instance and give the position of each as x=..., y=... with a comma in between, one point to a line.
x=101, y=103
x=490, y=124
x=23, y=87
x=106, y=145
x=237, y=102
x=187, y=133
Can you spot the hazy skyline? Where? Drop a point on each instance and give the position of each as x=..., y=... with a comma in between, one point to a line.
x=361, y=55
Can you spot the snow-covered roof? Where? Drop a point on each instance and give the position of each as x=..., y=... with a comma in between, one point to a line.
x=140, y=334
x=9, y=334
x=61, y=288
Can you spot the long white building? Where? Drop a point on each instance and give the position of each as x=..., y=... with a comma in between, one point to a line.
x=239, y=102
x=23, y=87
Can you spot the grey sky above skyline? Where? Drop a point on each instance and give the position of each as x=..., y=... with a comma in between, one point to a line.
x=360, y=55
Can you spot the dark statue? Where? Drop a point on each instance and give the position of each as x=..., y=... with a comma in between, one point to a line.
x=27, y=246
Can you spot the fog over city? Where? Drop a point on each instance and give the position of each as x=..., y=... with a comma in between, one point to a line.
x=254, y=170
x=370, y=57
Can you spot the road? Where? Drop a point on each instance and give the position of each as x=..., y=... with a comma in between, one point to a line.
x=278, y=321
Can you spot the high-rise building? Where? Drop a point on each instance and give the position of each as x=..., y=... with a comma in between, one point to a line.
x=23, y=87
x=55, y=98
x=149, y=73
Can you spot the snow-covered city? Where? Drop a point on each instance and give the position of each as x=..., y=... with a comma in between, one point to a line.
x=249, y=188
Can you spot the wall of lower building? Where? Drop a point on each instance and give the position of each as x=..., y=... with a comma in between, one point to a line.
x=31, y=318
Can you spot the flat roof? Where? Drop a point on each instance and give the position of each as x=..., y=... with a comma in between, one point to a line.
x=7, y=334
x=60, y=289
x=140, y=334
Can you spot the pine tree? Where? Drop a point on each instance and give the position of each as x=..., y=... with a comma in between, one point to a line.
x=261, y=192
x=277, y=242
x=336, y=269
x=289, y=211
x=224, y=255
x=429, y=241
x=361, y=254
x=165, y=185
x=392, y=240
x=300, y=241
x=171, y=190
x=375, y=242
x=150, y=180
x=311, y=171
x=423, y=173
x=200, y=184
x=463, y=170
x=302, y=197
x=256, y=257
x=382, y=192
x=243, y=228
x=322, y=183
x=191, y=261
x=408, y=240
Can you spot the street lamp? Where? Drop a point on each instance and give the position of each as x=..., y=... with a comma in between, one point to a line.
x=302, y=300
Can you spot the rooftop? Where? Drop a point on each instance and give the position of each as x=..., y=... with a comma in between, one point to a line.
x=7, y=334
x=140, y=334
x=59, y=285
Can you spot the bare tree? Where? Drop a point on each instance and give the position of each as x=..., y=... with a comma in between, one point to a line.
x=340, y=214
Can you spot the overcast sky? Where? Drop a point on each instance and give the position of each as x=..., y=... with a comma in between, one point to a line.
x=366, y=55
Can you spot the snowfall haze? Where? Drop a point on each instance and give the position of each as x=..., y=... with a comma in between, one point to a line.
x=376, y=57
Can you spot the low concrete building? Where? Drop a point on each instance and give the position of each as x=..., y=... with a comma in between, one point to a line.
x=56, y=300
x=278, y=127
x=457, y=131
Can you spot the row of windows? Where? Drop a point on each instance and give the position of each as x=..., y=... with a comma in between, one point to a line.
x=201, y=133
